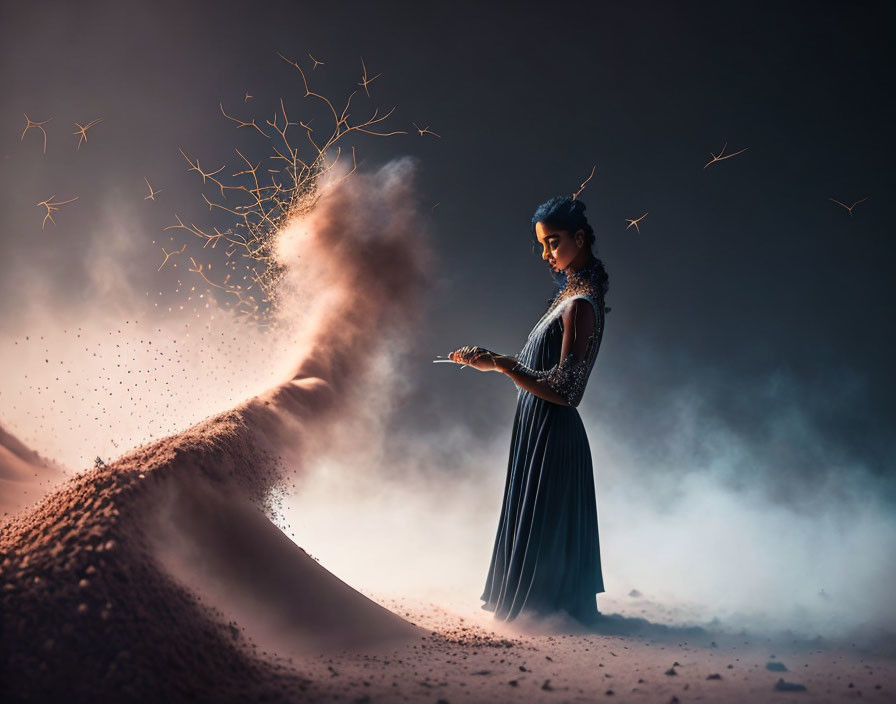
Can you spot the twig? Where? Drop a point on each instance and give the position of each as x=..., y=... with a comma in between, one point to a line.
x=168, y=254
x=584, y=183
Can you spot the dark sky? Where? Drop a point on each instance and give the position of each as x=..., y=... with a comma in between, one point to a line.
x=746, y=289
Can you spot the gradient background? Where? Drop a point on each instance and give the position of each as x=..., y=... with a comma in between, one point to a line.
x=745, y=386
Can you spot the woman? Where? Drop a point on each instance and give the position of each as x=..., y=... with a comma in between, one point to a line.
x=546, y=557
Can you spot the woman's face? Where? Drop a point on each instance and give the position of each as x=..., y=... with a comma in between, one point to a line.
x=559, y=248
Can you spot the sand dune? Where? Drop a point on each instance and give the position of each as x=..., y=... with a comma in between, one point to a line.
x=159, y=575
x=154, y=569
x=225, y=548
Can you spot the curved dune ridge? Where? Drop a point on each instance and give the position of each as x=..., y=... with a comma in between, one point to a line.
x=160, y=574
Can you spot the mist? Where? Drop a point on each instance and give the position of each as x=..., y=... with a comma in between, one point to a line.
x=700, y=523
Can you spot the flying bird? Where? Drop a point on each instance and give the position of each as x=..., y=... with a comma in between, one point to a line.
x=635, y=222
x=82, y=130
x=425, y=130
x=722, y=158
x=152, y=193
x=31, y=123
x=849, y=207
x=367, y=81
x=53, y=207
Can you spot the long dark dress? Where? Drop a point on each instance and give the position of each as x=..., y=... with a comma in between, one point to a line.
x=546, y=557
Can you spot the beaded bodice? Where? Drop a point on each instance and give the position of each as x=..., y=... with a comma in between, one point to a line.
x=540, y=357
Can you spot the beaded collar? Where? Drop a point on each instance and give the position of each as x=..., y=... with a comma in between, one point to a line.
x=584, y=282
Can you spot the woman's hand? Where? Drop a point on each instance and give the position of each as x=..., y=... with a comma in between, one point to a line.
x=476, y=357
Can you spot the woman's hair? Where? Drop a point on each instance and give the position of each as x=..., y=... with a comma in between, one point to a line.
x=567, y=213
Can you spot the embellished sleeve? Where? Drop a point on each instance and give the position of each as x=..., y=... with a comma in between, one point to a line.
x=569, y=376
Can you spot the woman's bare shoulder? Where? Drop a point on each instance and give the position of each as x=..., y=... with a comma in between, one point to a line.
x=580, y=310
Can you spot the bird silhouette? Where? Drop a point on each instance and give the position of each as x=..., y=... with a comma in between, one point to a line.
x=82, y=130
x=722, y=158
x=52, y=208
x=152, y=193
x=38, y=125
x=849, y=207
x=635, y=222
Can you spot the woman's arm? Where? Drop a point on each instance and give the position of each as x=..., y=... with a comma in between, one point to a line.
x=564, y=383
x=487, y=361
x=537, y=386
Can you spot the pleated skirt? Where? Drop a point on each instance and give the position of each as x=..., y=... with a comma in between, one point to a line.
x=546, y=557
